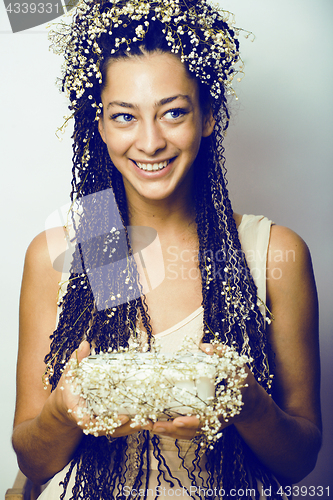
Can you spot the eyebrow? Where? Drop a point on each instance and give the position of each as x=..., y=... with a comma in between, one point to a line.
x=166, y=100
x=162, y=102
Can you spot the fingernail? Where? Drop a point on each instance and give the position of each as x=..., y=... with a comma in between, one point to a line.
x=160, y=430
x=123, y=419
x=179, y=424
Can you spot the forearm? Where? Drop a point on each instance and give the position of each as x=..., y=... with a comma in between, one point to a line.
x=288, y=445
x=45, y=444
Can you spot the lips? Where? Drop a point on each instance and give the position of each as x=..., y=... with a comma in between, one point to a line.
x=152, y=167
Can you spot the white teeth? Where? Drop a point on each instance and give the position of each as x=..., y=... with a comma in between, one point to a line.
x=152, y=166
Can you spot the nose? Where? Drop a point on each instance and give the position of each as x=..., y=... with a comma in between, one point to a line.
x=150, y=139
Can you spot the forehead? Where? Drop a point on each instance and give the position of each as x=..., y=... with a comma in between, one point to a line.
x=147, y=78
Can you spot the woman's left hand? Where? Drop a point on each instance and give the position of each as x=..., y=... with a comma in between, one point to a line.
x=189, y=427
x=251, y=390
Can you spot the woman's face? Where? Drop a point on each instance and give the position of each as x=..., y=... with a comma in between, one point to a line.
x=152, y=124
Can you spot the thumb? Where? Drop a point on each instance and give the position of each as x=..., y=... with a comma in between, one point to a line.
x=207, y=348
x=82, y=352
x=214, y=349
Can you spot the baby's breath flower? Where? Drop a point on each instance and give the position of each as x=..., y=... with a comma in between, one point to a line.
x=150, y=385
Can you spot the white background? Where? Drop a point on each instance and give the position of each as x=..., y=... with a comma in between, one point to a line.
x=279, y=158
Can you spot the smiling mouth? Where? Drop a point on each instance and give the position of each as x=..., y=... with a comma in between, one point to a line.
x=152, y=167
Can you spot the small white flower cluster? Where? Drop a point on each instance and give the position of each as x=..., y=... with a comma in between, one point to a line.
x=152, y=386
x=200, y=33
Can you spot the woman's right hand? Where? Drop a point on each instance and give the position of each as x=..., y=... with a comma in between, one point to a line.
x=67, y=404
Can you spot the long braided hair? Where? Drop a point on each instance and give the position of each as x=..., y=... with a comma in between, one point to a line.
x=229, y=297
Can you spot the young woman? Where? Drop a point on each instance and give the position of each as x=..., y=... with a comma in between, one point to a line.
x=148, y=84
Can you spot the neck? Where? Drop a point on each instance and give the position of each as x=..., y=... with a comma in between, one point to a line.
x=174, y=213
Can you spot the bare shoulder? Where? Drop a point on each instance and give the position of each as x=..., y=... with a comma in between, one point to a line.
x=284, y=239
x=40, y=282
x=289, y=259
x=46, y=246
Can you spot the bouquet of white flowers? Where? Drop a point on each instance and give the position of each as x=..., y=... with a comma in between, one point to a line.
x=156, y=386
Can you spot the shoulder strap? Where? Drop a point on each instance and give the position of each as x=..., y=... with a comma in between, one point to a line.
x=254, y=233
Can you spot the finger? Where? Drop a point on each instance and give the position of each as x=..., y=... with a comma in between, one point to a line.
x=78, y=355
x=214, y=349
x=95, y=427
x=169, y=429
x=192, y=423
x=66, y=383
x=207, y=348
x=82, y=352
x=148, y=426
x=124, y=419
x=162, y=427
x=178, y=425
x=126, y=427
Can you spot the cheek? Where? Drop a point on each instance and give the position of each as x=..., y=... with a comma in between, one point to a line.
x=187, y=137
x=190, y=140
x=117, y=143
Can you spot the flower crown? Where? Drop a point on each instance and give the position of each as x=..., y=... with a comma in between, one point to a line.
x=200, y=34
